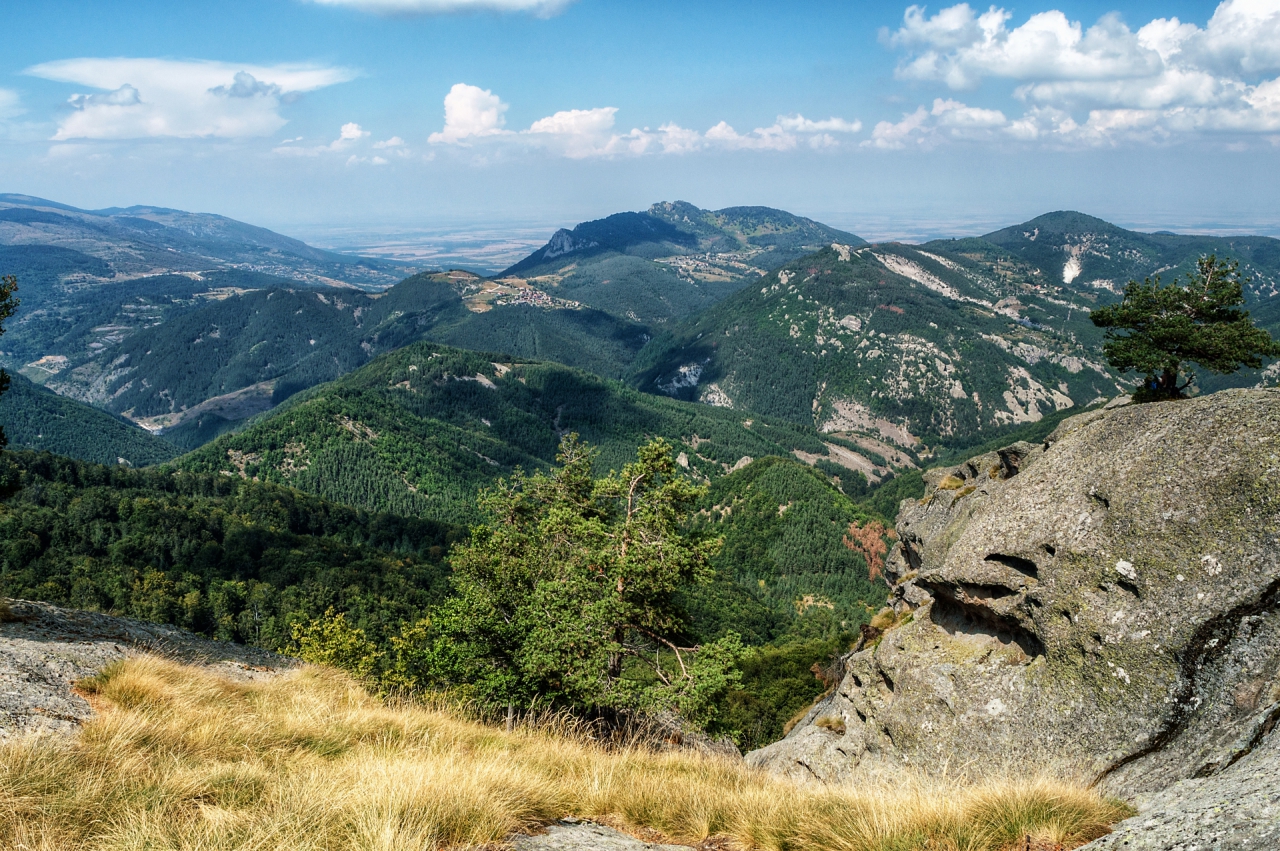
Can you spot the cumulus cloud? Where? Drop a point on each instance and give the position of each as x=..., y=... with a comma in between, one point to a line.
x=1105, y=81
x=541, y=8
x=349, y=135
x=140, y=98
x=472, y=114
x=895, y=135
x=799, y=124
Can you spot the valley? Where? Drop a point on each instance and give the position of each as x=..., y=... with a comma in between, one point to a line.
x=383, y=476
x=892, y=353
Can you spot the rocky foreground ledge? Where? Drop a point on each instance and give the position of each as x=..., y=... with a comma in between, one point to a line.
x=1106, y=605
x=44, y=650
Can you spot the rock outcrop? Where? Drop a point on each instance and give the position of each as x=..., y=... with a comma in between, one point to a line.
x=1105, y=604
x=44, y=650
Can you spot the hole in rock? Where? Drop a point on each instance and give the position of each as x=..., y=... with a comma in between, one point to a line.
x=965, y=616
x=986, y=592
x=1025, y=566
x=1051, y=549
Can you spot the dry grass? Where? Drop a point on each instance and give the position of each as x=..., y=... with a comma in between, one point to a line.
x=182, y=759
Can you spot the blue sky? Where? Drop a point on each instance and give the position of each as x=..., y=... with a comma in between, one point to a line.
x=885, y=117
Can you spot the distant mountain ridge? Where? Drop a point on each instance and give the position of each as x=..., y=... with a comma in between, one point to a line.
x=940, y=342
x=146, y=240
x=679, y=227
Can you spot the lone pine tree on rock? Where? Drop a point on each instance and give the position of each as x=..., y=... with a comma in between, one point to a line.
x=1170, y=325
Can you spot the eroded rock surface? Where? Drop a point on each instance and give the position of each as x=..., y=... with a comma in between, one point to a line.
x=44, y=650
x=585, y=836
x=1105, y=604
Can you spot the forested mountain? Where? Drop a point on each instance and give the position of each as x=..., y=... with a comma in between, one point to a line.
x=418, y=430
x=790, y=568
x=897, y=343
x=90, y=278
x=938, y=343
x=1089, y=253
x=36, y=418
x=234, y=559
x=207, y=369
x=664, y=264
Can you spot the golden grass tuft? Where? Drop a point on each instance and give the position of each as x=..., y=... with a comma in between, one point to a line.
x=184, y=759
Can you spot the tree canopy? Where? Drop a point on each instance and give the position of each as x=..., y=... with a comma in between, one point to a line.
x=569, y=597
x=8, y=304
x=1169, y=325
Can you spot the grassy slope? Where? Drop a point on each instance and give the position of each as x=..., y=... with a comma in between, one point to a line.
x=415, y=432
x=39, y=419
x=181, y=758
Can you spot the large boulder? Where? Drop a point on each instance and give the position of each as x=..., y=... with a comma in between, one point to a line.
x=1101, y=605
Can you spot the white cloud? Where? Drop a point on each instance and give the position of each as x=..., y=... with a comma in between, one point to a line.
x=541, y=8
x=349, y=135
x=141, y=98
x=1106, y=81
x=951, y=113
x=581, y=132
x=890, y=135
x=470, y=112
x=773, y=138
x=10, y=104
x=393, y=142
x=799, y=124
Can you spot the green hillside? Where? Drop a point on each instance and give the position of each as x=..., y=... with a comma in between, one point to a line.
x=234, y=559
x=418, y=430
x=671, y=261
x=202, y=371
x=889, y=343
x=785, y=572
x=35, y=418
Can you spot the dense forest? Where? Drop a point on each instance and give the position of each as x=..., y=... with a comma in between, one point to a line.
x=36, y=418
x=419, y=430
x=233, y=559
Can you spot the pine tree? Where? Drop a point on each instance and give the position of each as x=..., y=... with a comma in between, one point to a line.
x=1171, y=325
x=569, y=596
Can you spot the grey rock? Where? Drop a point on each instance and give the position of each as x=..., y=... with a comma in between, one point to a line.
x=1238, y=808
x=586, y=836
x=1105, y=605
x=45, y=650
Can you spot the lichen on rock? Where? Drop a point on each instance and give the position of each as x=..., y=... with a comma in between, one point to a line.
x=1105, y=604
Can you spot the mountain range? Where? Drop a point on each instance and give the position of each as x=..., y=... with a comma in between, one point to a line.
x=878, y=356
x=935, y=343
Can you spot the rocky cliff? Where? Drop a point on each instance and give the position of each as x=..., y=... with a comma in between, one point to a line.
x=45, y=650
x=1104, y=604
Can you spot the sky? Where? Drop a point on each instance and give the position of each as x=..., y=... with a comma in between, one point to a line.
x=888, y=119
